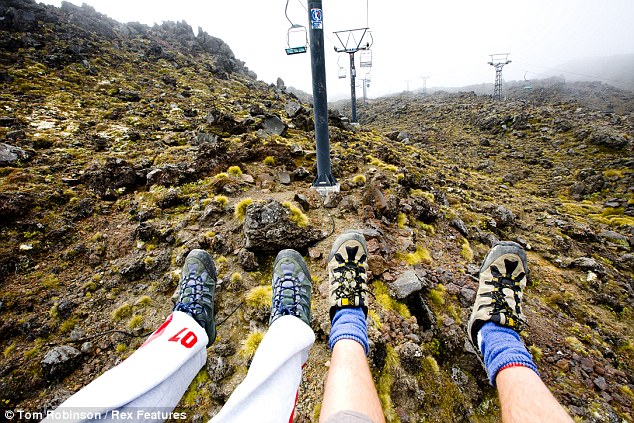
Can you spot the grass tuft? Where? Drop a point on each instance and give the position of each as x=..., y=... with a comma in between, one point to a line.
x=269, y=161
x=251, y=344
x=122, y=312
x=234, y=171
x=221, y=200
x=466, y=252
x=241, y=208
x=297, y=216
x=420, y=256
x=259, y=297
x=135, y=322
x=359, y=180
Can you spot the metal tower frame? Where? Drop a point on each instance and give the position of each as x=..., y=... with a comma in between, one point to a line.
x=498, y=61
x=351, y=46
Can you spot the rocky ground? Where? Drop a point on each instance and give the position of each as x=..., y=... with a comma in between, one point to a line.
x=124, y=147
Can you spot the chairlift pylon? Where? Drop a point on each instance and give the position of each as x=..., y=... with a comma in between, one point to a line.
x=298, y=33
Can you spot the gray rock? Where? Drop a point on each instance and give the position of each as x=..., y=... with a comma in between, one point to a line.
x=627, y=260
x=87, y=347
x=285, y=178
x=303, y=202
x=293, y=108
x=332, y=200
x=300, y=174
x=467, y=296
x=273, y=125
x=10, y=155
x=503, y=217
x=247, y=260
x=460, y=226
x=267, y=227
x=614, y=237
x=60, y=361
x=402, y=136
x=588, y=263
x=410, y=355
x=600, y=383
x=407, y=284
x=218, y=368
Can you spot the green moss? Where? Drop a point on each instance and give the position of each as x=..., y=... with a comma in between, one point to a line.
x=236, y=278
x=135, y=322
x=122, y=312
x=359, y=180
x=121, y=348
x=144, y=301
x=466, y=252
x=259, y=297
x=385, y=382
x=269, y=161
x=536, y=352
x=420, y=193
x=50, y=282
x=297, y=216
x=401, y=220
x=221, y=200
x=68, y=324
x=429, y=229
x=432, y=364
x=574, y=344
x=383, y=297
x=241, y=208
x=234, y=171
x=196, y=389
x=437, y=295
x=420, y=256
x=251, y=344
x=8, y=351
x=376, y=320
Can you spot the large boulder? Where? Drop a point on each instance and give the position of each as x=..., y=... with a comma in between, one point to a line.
x=268, y=227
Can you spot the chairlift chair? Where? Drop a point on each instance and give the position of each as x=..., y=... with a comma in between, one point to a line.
x=298, y=34
x=342, y=71
x=365, y=60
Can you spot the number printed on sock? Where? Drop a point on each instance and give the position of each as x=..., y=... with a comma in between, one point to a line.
x=188, y=340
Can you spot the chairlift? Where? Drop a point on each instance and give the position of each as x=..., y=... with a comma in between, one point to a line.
x=297, y=34
x=365, y=60
x=342, y=71
x=527, y=83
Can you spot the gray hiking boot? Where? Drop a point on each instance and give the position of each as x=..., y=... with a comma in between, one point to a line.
x=196, y=291
x=292, y=287
x=503, y=278
x=347, y=273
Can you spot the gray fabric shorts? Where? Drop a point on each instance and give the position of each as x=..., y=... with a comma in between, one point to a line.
x=349, y=417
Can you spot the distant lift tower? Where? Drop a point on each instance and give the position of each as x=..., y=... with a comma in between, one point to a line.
x=424, y=78
x=355, y=40
x=498, y=61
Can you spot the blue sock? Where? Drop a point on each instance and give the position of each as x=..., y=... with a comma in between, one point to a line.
x=502, y=347
x=349, y=323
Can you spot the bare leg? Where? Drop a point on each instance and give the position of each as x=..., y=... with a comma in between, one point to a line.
x=525, y=398
x=349, y=385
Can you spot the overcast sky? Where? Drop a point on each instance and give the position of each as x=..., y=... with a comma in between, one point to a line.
x=449, y=41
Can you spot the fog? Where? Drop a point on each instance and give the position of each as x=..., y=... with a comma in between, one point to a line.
x=448, y=41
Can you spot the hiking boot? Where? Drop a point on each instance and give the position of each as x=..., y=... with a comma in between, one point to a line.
x=196, y=291
x=502, y=279
x=347, y=273
x=292, y=287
